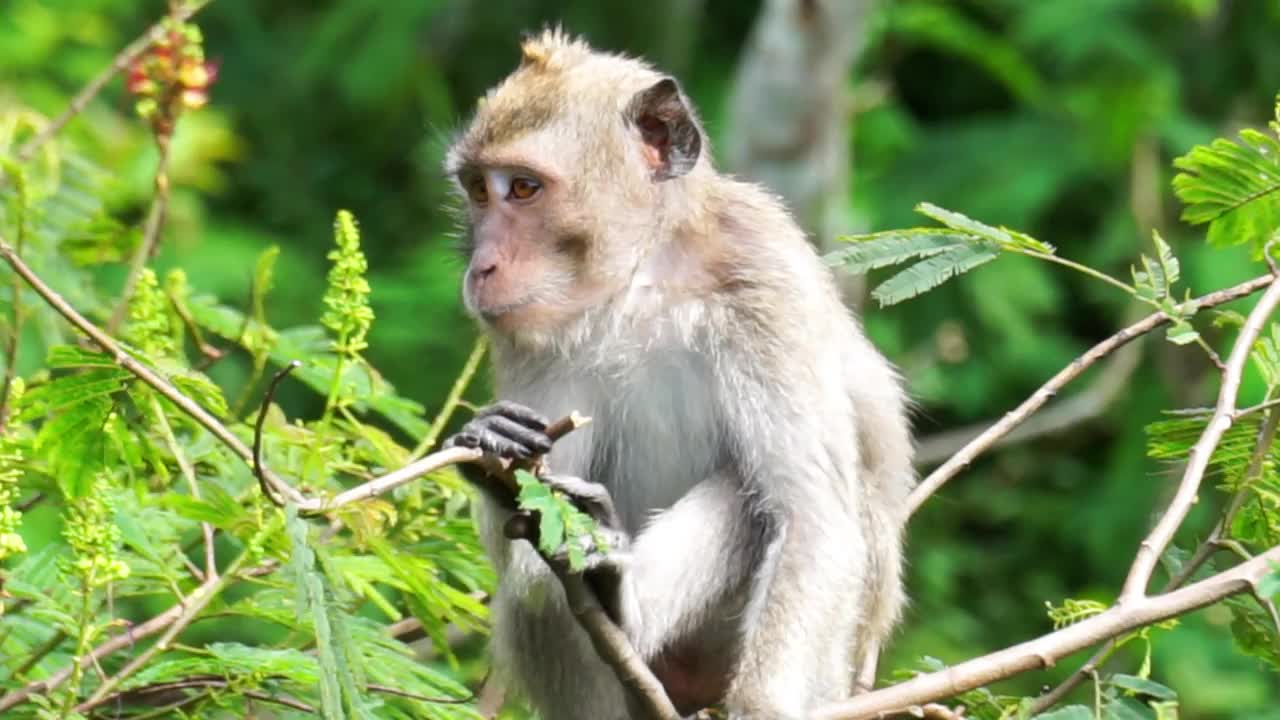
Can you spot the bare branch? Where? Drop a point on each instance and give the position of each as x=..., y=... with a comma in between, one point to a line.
x=142, y=372
x=1149, y=552
x=612, y=645
x=1015, y=417
x=1046, y=650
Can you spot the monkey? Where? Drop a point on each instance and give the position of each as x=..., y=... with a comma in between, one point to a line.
x=749, y=453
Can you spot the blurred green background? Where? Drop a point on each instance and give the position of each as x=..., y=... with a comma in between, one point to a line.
x=1057, y=117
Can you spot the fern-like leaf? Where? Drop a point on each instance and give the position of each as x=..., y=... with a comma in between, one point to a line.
x=877, y=250
x=1233, y=186
x=933, y=271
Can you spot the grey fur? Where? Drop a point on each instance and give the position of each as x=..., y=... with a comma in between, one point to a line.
x=754, y=443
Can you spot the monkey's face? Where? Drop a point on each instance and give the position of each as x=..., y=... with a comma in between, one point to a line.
x=562, y=170
x=525, y=269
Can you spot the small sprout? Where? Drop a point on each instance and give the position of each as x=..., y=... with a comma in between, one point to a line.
x=348, y=313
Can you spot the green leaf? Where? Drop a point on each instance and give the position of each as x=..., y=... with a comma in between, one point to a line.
x=1233, y=186
x=876, y=250
x=957, y=221
x=932, y=272
x=1266, y=356
x=200, y=388
x=1182, y=333
x=1126, y=709
x=1169, y=265
x=1071, y=712
x=71, y=356
x=68, y=391
x=1142, y=686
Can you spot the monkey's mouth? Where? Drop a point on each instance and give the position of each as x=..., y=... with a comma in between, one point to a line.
x=492, y=312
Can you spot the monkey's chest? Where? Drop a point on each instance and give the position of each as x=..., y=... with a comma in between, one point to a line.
x=653, y=436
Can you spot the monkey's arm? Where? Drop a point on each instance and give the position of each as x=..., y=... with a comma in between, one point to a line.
x=685, y=562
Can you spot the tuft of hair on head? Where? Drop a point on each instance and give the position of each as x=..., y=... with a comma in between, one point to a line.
x=551, y=49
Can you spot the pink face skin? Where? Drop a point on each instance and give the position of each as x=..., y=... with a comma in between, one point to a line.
x=514, y=277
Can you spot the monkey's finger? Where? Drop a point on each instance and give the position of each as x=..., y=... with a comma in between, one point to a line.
x=535, y=441
x=593, y=498
x=519, y=413
x=499, y=445
x=463, y=439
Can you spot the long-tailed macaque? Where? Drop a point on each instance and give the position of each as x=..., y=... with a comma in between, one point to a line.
x=749, y=449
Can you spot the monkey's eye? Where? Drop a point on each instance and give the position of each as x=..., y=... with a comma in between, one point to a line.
x=523, y=188
x=476, y=189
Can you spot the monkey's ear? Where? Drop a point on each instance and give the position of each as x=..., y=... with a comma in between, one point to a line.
x=672, y=138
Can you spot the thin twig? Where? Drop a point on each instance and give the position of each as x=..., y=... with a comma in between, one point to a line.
x=125, y=639
x=189, y=474
x=1149, y=552
x=1198, y=558
x=142, y=372
x=1048, y=649
x=1015, y=417
x=119, y=63
x=1267, y=405
x=258, y=468
x=388, y=690
x=1266, y=435
x=612, y=645
x=209, y=682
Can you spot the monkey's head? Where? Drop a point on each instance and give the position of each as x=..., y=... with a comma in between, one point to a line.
x=571, y=171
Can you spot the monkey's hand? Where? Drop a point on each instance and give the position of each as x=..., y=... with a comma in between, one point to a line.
x=606, y=551
x=505, y=430
x=607, y=542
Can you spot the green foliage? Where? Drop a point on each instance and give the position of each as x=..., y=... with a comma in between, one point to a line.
x=1153, y=284
x=562, y=527
x=965, y=245
x=295, y=613
x=1235, y=187
x=1052, y=117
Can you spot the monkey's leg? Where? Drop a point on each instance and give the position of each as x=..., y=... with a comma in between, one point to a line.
x=806, y=603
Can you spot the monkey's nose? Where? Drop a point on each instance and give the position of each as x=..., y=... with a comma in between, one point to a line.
x=482, y=271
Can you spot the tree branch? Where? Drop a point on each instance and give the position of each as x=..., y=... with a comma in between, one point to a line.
x=1149, y=552
x=1073, y=370
x=123, y=640
x=1044, y=651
